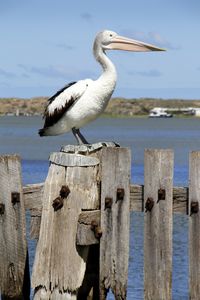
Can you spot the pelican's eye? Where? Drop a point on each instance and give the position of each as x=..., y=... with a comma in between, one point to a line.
x=111, y=35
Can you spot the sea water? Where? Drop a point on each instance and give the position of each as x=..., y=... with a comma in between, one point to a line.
x=19, y=135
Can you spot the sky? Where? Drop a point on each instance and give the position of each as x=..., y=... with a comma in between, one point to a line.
x=45, y=44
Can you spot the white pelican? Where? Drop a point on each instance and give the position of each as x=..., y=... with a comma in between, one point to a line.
x=83, y=101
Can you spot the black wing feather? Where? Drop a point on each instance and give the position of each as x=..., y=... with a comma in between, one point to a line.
x=52, y=98
x=51, y=119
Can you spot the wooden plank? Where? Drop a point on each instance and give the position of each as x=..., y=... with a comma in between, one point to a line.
x=136, y=197
x=60, y=264
x=33, y=194
x=115, y=221
x=33, y=202
x=73, y=160
x=35, y=227
x=33, y=198
x=41, y=279
x=158, y=183
x=13, y=246
x=88, y=222
x=180, y=200
x=85, y=235
x=194, y=225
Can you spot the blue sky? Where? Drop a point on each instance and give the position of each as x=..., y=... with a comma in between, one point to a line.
x=46, y=44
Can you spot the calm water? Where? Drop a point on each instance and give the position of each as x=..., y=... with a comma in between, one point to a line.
x=19, y=135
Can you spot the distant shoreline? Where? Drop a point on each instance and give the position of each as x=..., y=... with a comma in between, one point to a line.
x=117, y=107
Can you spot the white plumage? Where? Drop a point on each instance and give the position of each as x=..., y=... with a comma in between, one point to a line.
x=81, y=102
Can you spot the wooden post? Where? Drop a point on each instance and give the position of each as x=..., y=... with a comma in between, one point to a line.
x=115, y=220
x=72, y=184
x=194, y=226
x=33, y=194
x=158, y=183
x=14, y=281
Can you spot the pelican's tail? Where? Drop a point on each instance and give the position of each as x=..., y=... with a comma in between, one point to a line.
x=42, y=132
x=47, y=131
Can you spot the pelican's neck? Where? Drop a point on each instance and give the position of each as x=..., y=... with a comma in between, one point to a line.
x=105, y=62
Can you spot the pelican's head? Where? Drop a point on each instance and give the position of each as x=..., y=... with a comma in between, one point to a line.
x=110, y=40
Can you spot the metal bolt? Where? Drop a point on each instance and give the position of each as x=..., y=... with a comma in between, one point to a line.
x=57, y=203
x=149, y=204
x=64, y=192
x=161, y=194
x=96, y=229
x=93, y=224
x=120, y=194
x=98, y=232
x=194, y=207
x=15, y=197
x=2, y=208
x=108, y=202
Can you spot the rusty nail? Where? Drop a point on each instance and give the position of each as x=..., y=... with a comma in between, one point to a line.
x=98, y=232
x=194, y=207
x=93, y=224
x=149, y=204
x=2, y=208
x=161, y=194
x=64, y=192
x=57, y=203
x=96, y=229
x=15, y=197
x=120, y=194
x=108, y=202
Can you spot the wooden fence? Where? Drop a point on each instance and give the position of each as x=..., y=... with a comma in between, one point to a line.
x=83, y=237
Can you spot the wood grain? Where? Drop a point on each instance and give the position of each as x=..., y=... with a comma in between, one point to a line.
x=33, y=198
x=13, y=245
x=115, y=222
x=64, y=260
x=158, y=174
x=194, y=226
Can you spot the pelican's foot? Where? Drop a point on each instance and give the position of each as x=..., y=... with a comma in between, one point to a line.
x=87, y=148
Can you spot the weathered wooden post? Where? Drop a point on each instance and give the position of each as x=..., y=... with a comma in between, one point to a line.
x=14, y=271
x=194, y=225
x=158, y=184
x=115, y=221
x=73, y=185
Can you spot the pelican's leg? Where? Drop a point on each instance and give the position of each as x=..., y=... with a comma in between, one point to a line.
x=79, y=137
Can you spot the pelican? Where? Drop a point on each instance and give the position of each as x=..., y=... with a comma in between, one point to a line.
x=81, y=102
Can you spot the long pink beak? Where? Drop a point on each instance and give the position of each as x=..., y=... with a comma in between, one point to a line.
x=123, y=43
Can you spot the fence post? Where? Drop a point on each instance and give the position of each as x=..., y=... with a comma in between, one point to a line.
x=14, y=270
x=158, y=185
x=194, y=226
x=115, y=221
x=72, y=184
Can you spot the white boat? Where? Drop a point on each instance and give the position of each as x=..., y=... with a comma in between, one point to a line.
x=159, y=112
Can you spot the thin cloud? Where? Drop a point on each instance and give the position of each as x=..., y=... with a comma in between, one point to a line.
x=49, y=71
x=160, y=41
x=86, y=17
x=25, y=75
x=149, y=73
x=65, y=46
x=57, y=72
x=6, y=74
x=4, y=84
x=151, y=37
